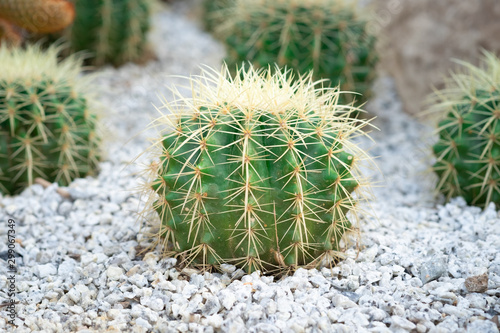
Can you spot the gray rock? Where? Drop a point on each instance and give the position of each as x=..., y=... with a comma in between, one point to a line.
x=432, y=269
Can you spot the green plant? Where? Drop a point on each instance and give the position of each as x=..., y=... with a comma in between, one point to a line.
x=47, y=127
x=259, y=171
x=468, y=150
x=114, y=31
x=328, y=37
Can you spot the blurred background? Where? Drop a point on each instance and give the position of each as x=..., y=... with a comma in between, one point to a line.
x=419, y=38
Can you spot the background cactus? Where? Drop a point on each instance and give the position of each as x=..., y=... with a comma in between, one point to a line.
x=39, y=16
x=47, y=128
x=258, y=171
x=114, y=31
x=9, y=34
x=468, y=150
x=214, y=13
x=326, y=36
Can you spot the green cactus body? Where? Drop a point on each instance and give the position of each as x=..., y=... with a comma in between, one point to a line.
x=114, y=31
x=47, y=128
x=257, y=173
x=325, y=36
x=468, y=150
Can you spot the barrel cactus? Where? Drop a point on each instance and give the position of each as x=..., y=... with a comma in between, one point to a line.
x=468, y=150
x=39, y=16
x=113, y=31
x=326, y=36
x=259, y=171
x=47, y=127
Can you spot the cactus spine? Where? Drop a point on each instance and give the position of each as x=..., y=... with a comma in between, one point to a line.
x=258, y=172
x=468, y=150
x=39, y=16
x=114, y=31
x=325, y=36
x=47, y=127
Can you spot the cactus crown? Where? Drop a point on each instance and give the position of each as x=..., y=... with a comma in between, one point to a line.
x=31, y=64
x=47, y=128
x=258, y=171
x=326, y=36
x=468, y=149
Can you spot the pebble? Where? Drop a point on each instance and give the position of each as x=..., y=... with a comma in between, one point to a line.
x=343, y=302
x=477, y=284
x=143, y=323
x=114, y=272
x=482, y=326
x=400, y=322
x=46, y=270
x=432, y=269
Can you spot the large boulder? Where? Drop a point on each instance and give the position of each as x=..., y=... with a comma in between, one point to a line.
x=419, y=39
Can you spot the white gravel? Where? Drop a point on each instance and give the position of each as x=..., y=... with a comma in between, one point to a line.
x=80, y=269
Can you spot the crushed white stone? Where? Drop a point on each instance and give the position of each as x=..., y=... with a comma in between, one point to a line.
x=80, y=269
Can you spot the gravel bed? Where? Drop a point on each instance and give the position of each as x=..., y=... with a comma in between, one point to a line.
x=422, y=265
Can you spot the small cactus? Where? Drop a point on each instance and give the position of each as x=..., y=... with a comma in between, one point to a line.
x=468, y=150
x=39, y=16
x=113, y=31
x=259, y=171
x=328, y=37
x=47, y=128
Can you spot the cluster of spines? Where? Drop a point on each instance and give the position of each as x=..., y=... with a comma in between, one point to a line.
x=47, y=127
x=260, y=178
x=468, y=149
x=328, y=37
x=112, y=31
